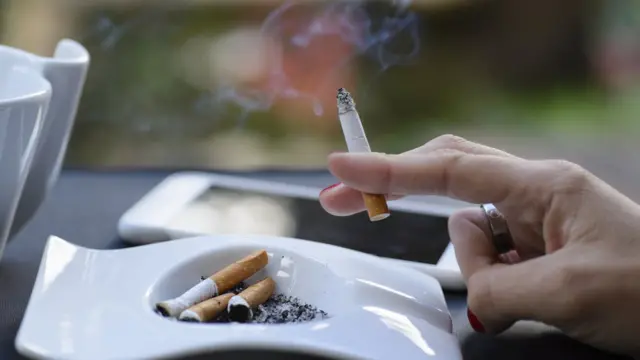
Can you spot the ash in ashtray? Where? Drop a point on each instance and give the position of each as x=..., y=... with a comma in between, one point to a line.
x=279, y=309
x=282, y=309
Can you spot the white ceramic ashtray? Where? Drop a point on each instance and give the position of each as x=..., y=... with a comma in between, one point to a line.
x=104, y=304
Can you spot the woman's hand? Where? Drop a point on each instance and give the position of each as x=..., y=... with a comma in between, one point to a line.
x=577, y=238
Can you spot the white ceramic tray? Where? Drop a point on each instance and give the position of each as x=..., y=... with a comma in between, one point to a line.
x=99, y=304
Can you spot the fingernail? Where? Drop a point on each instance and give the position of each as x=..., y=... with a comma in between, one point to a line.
x=329, y=188
x=475, y=323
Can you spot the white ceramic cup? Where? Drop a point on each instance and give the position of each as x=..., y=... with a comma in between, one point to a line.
x=39, y=98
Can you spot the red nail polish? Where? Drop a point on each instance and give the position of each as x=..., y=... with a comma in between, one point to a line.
x=475, y=323
x=329, y=188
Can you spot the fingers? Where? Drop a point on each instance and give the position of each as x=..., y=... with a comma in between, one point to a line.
x=340, y=200
x=499, y=294
x=453, y=142
x=344, y=201
x=471, y=178
x=470, y=236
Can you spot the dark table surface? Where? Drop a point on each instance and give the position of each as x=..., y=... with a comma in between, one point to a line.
x=85, y=206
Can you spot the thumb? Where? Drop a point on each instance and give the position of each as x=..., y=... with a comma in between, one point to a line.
x=500, y=294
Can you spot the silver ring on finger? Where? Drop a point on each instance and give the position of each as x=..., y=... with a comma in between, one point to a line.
x=500, y=234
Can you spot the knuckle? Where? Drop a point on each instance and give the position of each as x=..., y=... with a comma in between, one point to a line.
x=447, y=154
x=567, y=178
x=570, y=173
x=568, y=167
x=451, y=161
x=449, y=141
x=457, y=217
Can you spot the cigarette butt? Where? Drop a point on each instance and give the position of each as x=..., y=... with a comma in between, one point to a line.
x=206, y=310
x=376, y=206
x=258, y=293
x=240, y=306
x=216, y=284
x=239, y=271
x=204, y=290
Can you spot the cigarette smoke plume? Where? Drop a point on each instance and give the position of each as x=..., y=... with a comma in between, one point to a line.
x=371, y=30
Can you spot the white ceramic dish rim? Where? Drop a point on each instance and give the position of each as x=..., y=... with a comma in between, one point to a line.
x=49, y=294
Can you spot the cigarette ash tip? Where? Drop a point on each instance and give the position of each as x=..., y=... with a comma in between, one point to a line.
x=345, y=101
x=239, y=313
x=162, y=310
x=239, y=310
x=189, y=316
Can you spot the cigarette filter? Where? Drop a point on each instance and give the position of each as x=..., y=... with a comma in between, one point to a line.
x=206, y=310
x=240, y=306
x=376, y=205
x=239, y=271
x=216, y=284
x=356, y=139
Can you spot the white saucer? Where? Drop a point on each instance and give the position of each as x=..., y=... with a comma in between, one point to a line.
x=99, y=304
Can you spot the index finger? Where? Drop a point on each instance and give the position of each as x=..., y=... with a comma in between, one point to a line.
x=467, y=177
x=342, y=200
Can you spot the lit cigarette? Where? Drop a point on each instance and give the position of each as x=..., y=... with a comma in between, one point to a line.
x=207, y=310
x=216, y=284
x=240, y=306
x=356, y=139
